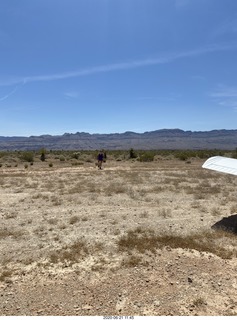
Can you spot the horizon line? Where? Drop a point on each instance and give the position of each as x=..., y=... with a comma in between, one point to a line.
x=111, y=133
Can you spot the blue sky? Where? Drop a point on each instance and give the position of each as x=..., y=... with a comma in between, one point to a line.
x=106, y=66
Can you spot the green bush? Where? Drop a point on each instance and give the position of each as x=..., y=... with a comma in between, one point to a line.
x=147, y=156
x=182, y=156
x=28, y=156
x=132, y=154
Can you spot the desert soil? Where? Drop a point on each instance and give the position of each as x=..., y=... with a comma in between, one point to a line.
x=60, y=231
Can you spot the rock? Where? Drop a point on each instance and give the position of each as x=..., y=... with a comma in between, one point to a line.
x=156, y=303
x=86, y=307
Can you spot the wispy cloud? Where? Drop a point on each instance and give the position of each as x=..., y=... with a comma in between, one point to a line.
x=224, y=92
x=225, y=96
x=134, y=64
x=71, y=94
x=9, y=94
x=227, y=27
x=229, y=103
x=162, y=59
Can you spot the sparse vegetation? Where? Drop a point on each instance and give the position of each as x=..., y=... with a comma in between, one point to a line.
x=143, y=240
x=198, y=302
x=74, y=219
x=27, y=156
x=6, y=232
x=6, y=274
x=70, y=253
x=147, y=156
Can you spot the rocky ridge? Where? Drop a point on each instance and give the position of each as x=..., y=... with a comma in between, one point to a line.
x=159, y=139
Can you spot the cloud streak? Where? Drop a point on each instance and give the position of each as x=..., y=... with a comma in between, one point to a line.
x=162, y=59
x=9, y=94
x=71, y=94
x=166, y=58
x=225, y=92
x=225, y=96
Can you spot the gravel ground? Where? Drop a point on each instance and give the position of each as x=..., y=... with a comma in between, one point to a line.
x=46, y=213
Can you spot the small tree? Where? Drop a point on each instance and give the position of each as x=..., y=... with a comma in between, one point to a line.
x=43, y=154
x=132, y=154
x=42, y=157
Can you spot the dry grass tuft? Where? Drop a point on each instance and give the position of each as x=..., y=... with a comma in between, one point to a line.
x=71, y=253
x=74, y=252
x=5, y=232
x=165, y=213
x=74, y=219
x=143, y=240
x=5, y=275
x=131, y=261
x=198, y=302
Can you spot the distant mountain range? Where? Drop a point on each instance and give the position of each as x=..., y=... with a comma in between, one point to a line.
x=159, y=139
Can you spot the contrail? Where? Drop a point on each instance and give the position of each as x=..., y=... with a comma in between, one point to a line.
x=9, y=94
x=162, y=59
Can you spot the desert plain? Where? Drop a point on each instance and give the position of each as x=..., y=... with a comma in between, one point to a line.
x=135, y=238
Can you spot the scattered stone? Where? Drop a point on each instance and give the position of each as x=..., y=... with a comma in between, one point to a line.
x=86, y=307
x=156, y=303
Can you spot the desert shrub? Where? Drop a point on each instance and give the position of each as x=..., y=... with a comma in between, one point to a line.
x=182, y=156
x=50, y=165
x=199, y=301
x=6, y=274
x=202, y=154
x=5, y=232
x=131, y=261
x=78, y=163
x=215, y=211
x=165, y=213
x=74, y=219
x=234, y=154
x=147, y=156
x=76, y=155
x=28, y=156
x=132, y=154
x=71, y=253
x=138, y=239
x=143, y=240
x=42, y=157
x=114, y=188
x=52, y=221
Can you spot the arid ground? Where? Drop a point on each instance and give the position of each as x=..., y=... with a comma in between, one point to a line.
x=135, y=238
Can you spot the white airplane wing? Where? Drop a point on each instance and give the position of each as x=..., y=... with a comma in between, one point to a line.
x=221, y=164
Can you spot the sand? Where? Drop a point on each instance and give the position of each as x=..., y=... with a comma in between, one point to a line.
x=61, y=230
